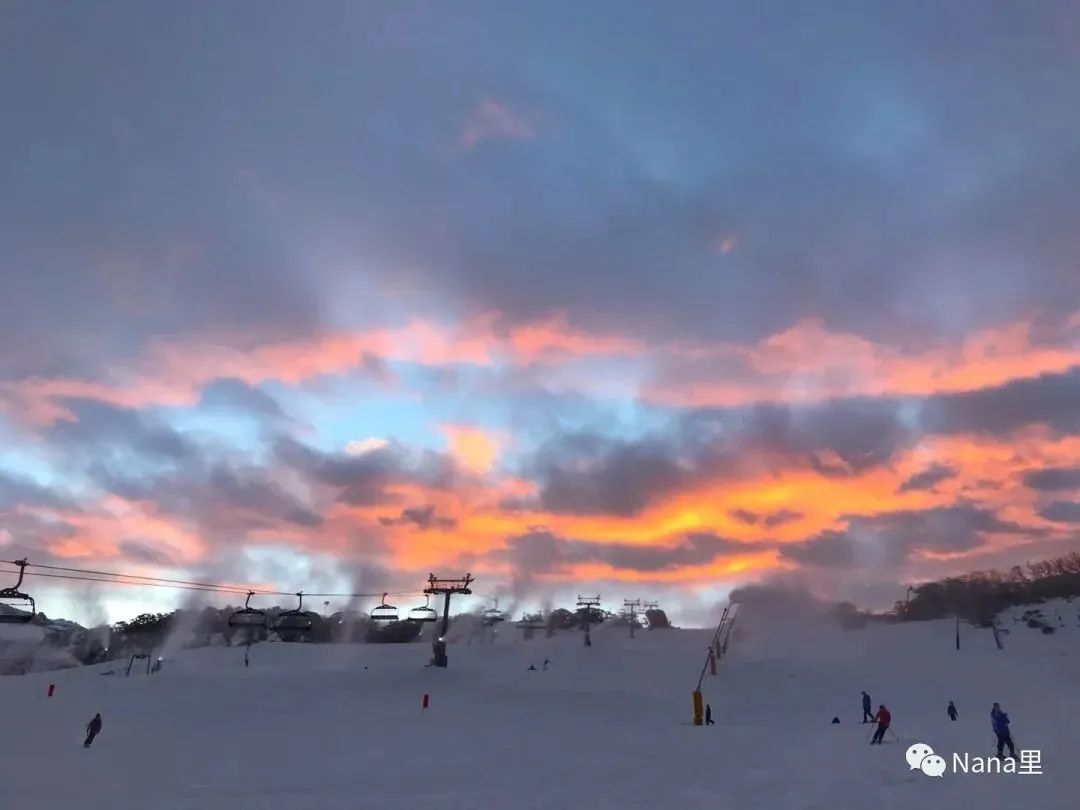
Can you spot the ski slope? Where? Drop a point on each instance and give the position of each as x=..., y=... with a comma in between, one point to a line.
x=328, y=726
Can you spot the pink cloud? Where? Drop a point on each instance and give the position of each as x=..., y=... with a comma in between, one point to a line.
x=494, y=120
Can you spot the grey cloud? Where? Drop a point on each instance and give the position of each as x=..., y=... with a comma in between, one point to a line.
x=889, y=539
x=928, y=478
x=830, y=549
x=541, y=551
x=745, y=516
x=145, y=554
x=421, y=517
x=15, y=490
x=364, y=479
x=1053, y=479
x=222, y=500
x=769, y=520
x=1050, y=399
x=101, y=427
x=894, y=175
x=1062, y=512
x=587, y=473
x=782, y=517
x=236, y=394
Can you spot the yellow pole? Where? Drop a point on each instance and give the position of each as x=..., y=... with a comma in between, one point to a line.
x=699, y=709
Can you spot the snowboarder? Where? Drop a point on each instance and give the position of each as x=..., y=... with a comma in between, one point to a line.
x=951, y=709
x=883, y=719
x=532, y=668
x=708, y=715
x=1000, y=721
x=836, y=721
x=93, y=728
x=867, y=717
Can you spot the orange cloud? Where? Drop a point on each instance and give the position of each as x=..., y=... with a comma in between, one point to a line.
x=473, y=448
x=555, y=338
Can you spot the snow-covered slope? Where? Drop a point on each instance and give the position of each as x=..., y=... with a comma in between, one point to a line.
x=325, y=726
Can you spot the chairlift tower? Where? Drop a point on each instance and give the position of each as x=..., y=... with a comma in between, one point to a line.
x=631, y=605
x=591, y=604
x=447, y=587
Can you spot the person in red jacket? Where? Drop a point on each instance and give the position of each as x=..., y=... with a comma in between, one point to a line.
x=883, y=719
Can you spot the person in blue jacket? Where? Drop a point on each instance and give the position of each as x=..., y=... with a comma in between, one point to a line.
x=1000, y=721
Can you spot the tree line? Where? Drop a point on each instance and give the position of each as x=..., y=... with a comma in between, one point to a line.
x=979, y=596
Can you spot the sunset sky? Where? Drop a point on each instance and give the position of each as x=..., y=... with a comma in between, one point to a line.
x=639, y=299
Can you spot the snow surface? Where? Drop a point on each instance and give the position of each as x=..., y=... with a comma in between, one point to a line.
x=307, y=726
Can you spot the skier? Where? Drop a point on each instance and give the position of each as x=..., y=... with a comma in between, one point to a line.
x=1000, y=722
x=883, y=719
x=951, y=709
x=867, y=717
x=532, y=668
x=708, y=715
x=836, y=721
x=546, y=662
x=93, y=728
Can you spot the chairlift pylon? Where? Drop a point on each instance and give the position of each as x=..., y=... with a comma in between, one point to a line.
x=424, y=613
x=247, y=616
x=14, y=598
x=384, y=613
x=298, y=620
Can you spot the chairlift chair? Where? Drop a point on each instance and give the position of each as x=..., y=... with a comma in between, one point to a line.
x=297, y=620
x=493, y=615
x=424, y=613
x=384, y=613
x=247, y=616
x=14, y=598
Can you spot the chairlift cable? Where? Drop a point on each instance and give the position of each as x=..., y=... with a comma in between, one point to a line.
x=90, y=575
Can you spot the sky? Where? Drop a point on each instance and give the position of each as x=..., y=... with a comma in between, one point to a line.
x=635, y=299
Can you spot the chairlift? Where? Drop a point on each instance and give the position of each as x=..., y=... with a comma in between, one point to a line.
x=21, y=602
x=298, y=620
x=493, y=615
x=424, y=613
x=384, y=613
x=247, y=616
x=534, y=621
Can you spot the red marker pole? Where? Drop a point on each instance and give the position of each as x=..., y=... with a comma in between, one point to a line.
x=52, y=688
x=425, y=701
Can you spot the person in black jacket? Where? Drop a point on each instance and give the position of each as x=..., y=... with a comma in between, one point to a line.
x=867, y=715
x=93, y=728
x=708, y=715
x=951, y=709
